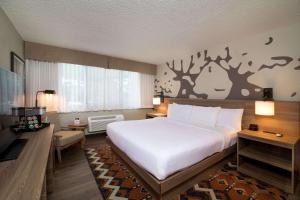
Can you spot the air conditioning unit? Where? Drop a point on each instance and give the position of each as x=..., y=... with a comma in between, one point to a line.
x=99, y=123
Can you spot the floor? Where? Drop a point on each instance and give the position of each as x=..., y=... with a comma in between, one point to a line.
x=73, y=179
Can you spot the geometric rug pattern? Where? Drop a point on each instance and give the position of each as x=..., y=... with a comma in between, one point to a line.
x=117, y=182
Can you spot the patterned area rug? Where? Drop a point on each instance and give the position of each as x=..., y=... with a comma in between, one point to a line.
x=115, y=181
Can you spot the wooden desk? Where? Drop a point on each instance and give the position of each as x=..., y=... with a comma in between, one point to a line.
x=25, y=177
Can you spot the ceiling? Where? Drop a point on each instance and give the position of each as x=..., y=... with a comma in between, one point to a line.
x=150, y=31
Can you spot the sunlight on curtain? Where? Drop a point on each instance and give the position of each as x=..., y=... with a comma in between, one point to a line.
x=84, y=88
x=72, y=87
x=95, y=88
x=122, y=90
x=147, y=90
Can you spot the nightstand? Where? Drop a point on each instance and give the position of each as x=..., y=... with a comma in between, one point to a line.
x=155, y=114
x=268, y=158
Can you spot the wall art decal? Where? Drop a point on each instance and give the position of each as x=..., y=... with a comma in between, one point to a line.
x=286, y=60
x=239, y=80
x=219, y=90
x=293, y=94
x=298, y=67
x=186, y=86
x=270, y=41
x=225, y=73
x=165, y=90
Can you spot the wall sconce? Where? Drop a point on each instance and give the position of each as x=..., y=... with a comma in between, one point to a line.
x=156, y=101
x=266, y=107
x=42, y=91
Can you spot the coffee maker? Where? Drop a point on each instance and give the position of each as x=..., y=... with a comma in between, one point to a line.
x=30, y=118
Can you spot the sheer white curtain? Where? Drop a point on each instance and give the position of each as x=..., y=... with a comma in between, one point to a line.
x=72, y=87
x=41, y=76
x=147, y=90
x=122, y=90
x=95, y=88
x=85, y=88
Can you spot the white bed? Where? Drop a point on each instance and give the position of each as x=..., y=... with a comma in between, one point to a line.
x=164, y=146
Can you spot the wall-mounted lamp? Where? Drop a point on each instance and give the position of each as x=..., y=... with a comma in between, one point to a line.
x=42, y=91
x=266, y=107
x=156, y=101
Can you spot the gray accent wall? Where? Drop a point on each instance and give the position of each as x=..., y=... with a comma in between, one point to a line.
x=10, y=40
x=237, y=69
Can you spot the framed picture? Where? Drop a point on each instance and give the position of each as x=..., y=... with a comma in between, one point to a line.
x=17, y=64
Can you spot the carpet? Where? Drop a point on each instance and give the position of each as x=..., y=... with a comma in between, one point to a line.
x=116, y=181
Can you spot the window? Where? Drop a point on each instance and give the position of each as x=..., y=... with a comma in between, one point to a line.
x=85, y=88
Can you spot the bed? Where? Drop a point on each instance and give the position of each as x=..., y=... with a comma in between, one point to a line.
x=165, y=146
x=168, y=152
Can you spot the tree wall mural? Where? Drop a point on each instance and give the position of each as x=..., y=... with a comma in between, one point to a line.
x=241, y=88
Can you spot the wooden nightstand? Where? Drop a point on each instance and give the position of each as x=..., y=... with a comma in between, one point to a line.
x=155, y=114
x=274, y=160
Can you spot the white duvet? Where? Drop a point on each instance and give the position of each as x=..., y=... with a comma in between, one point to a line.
x=163, y=146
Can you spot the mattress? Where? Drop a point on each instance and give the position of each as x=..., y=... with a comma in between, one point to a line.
x=163, y=146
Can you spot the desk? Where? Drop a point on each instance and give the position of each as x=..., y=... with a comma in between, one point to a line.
x=25, y=177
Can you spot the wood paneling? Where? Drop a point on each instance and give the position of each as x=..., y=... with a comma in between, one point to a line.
x=286, y=119
x=23, y=178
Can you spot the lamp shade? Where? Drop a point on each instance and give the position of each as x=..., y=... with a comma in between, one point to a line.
x=264, y=108
x=156, y=101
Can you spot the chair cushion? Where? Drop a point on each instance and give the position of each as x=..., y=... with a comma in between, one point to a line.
x=67, y=137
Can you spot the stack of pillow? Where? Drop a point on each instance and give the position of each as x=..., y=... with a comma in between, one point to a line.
x=206, y=116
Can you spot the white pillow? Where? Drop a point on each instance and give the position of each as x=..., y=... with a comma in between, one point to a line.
x=179, y=112
x=204, y=115
x=231, y=118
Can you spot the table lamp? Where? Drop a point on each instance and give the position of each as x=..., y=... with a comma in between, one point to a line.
x=42, y=91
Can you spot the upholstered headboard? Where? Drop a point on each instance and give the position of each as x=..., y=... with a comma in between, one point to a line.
x=286, y=119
